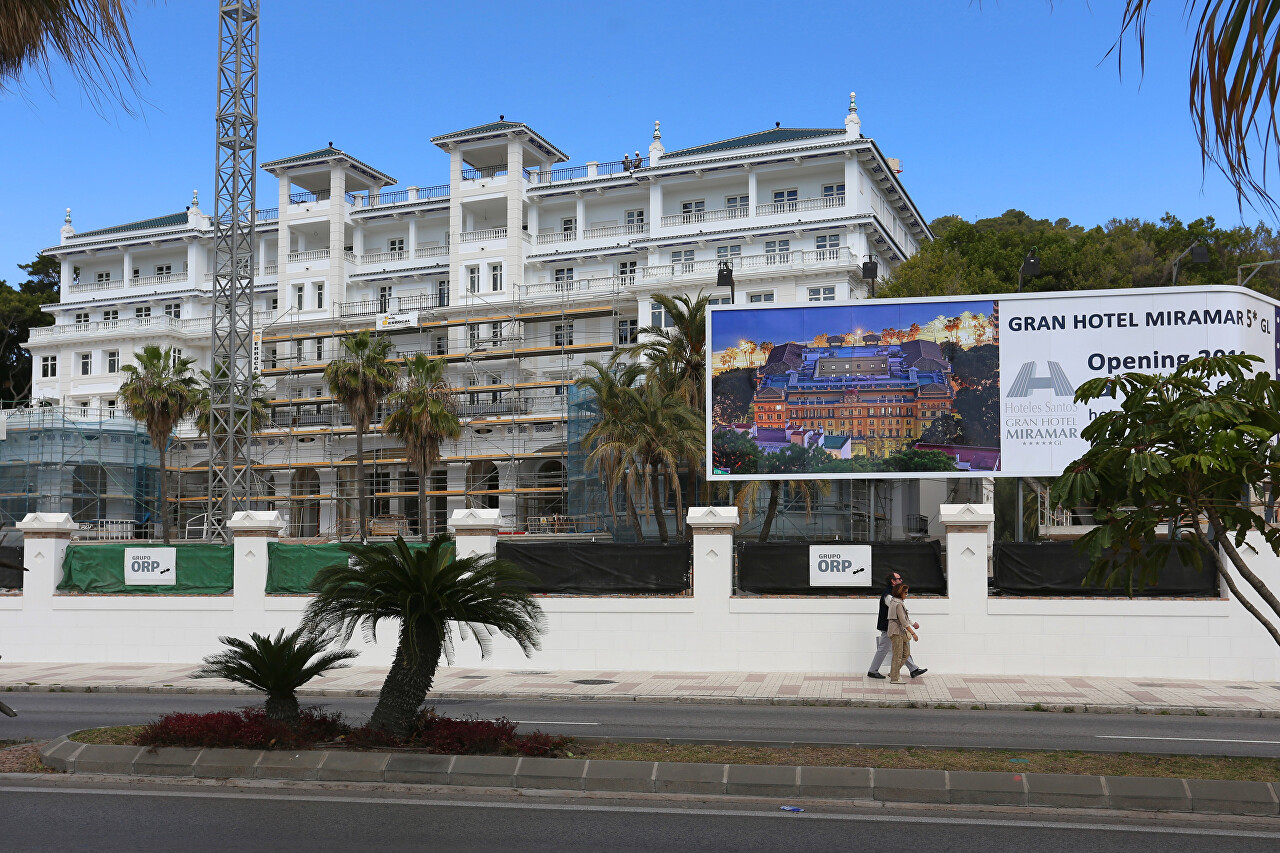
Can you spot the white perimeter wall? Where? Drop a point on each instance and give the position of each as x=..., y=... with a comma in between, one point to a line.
x=966, y=632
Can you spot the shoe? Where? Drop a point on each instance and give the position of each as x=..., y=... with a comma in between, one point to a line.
x=916, y=673
x=874, y=675
x=895, y=680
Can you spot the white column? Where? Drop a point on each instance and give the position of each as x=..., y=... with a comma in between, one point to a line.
x=655, y=204
x=337, y=276
x=262, y=255
x=45, y=537
x=195, y=263
x=329, y=509
x=475, y=531
x=753, y=196
x=251, y=532
x=127, y=265
x=456, y=472
x=68, y=273
x=851, y=167
x=534, y=214
x=507, y=471
x=580, y=213
x=411, y=245
x=968, y=541
x=357, y=240
x=712, y=529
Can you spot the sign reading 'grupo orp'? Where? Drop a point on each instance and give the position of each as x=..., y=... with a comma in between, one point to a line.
x=839, y=565
x=150, y=566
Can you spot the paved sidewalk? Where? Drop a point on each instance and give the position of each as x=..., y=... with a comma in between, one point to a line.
x=1094, y=694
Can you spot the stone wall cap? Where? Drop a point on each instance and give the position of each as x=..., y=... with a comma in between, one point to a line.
x=255, y=520
x=48, y=521
x=471, y=520
x=967, y=513
x=713, y=516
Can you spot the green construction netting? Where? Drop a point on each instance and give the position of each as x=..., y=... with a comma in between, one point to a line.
x=290, y=568
x=201, y=570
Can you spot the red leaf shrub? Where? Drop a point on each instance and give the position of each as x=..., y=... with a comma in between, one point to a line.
x=247, y=728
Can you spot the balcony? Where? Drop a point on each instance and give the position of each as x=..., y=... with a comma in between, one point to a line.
x=440, y=191
x=383, y=257
x=91, y=286
x=576, y=287
x=558, y=236
x=615, y=231
x=706, y=216
x=312, y=255
x=479, y=236
x=388, y=305
x=308, y=197
x=189, y=326
x=154, y=280
x=587, y=171
x=431, y=252
x=267, y=214
x=752, y=265
x=803, y=204
x=485, y=173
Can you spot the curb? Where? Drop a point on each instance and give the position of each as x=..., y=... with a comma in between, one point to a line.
x=961, y=705
x=1125, y=793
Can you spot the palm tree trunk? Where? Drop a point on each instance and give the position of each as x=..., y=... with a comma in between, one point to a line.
x=283, y=708
x=632, y=515
x=775, y=487
x=406, y=685
x=658, y=516
x=162, y=508
x=422, y=506
x=360, y=485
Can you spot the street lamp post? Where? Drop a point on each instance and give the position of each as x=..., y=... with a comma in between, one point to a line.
x=1242, y=279
x=724, y=278
x=1199, y=255
x=1030, y=267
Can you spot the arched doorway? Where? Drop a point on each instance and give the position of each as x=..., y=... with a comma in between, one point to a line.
x=305, y=514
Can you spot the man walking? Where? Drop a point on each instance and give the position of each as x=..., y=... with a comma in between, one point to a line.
x=884, y=645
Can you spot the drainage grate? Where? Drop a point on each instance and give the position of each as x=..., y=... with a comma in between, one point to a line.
x=593, y=681
x=1240, y=687
x=528, y=672
x=473, y=676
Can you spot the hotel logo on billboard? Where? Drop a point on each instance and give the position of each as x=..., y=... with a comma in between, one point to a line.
x=1027, y=381
x=1040, y=423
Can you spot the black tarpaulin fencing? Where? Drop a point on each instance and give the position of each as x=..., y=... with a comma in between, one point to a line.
x=11, y=567
x=782, y=568
x=601, y=568
x=1059, y=569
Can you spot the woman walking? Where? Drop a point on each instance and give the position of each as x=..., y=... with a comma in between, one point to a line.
x=900, y=632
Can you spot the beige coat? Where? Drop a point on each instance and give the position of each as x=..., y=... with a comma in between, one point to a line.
x=899, y=618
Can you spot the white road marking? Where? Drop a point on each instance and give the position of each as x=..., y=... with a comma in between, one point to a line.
x=559, y=807
x=552, y=723
x=1190, y=739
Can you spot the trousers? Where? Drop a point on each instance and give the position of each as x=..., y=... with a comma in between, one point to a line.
x=901, y=653
x=883, y=647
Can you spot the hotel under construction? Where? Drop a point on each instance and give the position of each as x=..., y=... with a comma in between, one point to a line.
x=518, y=270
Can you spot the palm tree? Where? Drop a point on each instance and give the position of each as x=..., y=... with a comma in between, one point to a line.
x=90, y=36
x=429, y=592
x=359, y=380
x=666, y=433
x=746, y=496
x=158, y=392
x=277, y=665
x=677, y=354
x=609, y=442
x=259, y=411
x=423, y=414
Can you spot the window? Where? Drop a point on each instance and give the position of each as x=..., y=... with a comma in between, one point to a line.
x=691, y=209
x=777, y=251
x=635, y=217
x=737, y=202
x=495, y=333
x=827, y=242
x=473, y=334
x=833, y=191
x=111, y=315
x=786, y=199
x=395, y=244
x=495, y=396
x=319, y=349
x=659, y=317
x=103, y=276
x=300, y=297
x=273, y=357
x=164, y=269
x=719, y=300
x=441, y=345
x=627, y=331
x=564, y=334
x=82, y=318
x=473, y=279
x=724, y=253
x=142, y=312
x=563, y=275
x=86, y=363
x=319, y=294
x=175, y=357
x=627, y=272
x=761, y=297
x=113, y=361
x=111, y=404
x=822, y=294
x=135, y=273
x=442, y=294
x=682, y=261
x=48, y=366
x=384, y=298
x=569, y=224
x=495, y=277
x=173, y=310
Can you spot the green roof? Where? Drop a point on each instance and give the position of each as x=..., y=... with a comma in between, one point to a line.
x=326, y=154
x=835, y=442
x=493, y=127
x=772, y=136
x=170, y=221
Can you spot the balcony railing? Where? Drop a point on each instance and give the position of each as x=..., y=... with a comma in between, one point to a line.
x=590, y=170
x=400, y=196
x=312, y=255
x=615, y=231
x=389, y=305
x=477, y=236
x=575, y=287
x=706, y=216
x=152, y=280
x=89, y=286
x=558, y=236
x=821, y=203
x=128, y=325
x=487, y=172
x=265, y=269
x=763, y=265
x=350, y=257
x=431, y=252
x=266, y=214
x=308, y=197
x=383, y=257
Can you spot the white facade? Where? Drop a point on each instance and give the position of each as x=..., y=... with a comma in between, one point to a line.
x=518, y=269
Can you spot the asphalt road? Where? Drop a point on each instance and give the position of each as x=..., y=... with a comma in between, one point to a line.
x=47, y=715
x=37, y=818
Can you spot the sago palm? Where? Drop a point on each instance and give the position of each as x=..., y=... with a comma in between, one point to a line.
x=158, y=392
x=428, y=593
x=277, y=666
x=359, y=380
x=423, y=414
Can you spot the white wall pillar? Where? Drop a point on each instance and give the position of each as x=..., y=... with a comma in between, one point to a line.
x=507, y=471
x=455, y=476
x=45, y=537
x=475, y=530
x=753, y=195
x=968, y=541
x=534, y=213
x=195, y=263
x=251, y=532
x=68, y=273
x=655, y=204
x=411, y=245
x=329, y=509
x=357, y=240
x=127, y=265
x=712, y=529
x=580, y=213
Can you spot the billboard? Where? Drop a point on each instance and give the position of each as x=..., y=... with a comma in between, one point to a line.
x=952, y=386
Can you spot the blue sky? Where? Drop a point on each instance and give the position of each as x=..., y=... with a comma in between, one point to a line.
x=784, y=324
x=989, y=107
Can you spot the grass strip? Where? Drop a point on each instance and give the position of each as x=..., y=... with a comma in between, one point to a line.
x=996, y=760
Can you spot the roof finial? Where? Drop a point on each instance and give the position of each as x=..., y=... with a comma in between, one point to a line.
x=195, y=198
x=68, y=219
x=657, y=130
x=330, y=143
x=853, y=104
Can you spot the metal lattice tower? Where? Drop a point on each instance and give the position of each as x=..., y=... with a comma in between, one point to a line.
x=232, y=361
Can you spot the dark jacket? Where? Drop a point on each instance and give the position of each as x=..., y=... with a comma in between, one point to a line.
x=882, y=620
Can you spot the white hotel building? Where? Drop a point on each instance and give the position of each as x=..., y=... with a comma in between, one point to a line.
x=518, y=270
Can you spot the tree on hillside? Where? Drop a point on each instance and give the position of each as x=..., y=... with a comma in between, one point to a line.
x=19, y=314
x=1192, y=446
